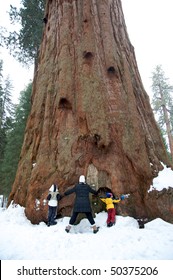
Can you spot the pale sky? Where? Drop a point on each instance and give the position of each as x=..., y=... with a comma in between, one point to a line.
x=19, y=75
x=149, y=25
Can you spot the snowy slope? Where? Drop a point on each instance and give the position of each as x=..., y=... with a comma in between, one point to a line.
x=20, y=240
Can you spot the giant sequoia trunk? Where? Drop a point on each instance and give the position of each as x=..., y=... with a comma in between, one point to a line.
x=90, y=113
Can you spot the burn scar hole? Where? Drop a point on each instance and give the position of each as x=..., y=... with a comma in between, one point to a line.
x=87, y=55
x=96, y=138
x=64, y=104
x=111, y=70
x=45, y=19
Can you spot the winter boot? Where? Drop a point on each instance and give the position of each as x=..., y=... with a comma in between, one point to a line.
x=67, y=229
x=95, y=229
x=53, y=223
x=110, y=224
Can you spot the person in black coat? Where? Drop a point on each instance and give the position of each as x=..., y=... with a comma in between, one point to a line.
x=82, y=203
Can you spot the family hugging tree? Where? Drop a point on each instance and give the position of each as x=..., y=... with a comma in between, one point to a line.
x=90, y=113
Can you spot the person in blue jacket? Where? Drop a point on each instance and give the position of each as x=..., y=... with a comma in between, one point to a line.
x=82, y=203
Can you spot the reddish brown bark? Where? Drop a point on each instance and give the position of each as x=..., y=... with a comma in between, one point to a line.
x=90, y=113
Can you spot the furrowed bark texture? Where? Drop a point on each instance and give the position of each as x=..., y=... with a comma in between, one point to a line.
x=90, y=113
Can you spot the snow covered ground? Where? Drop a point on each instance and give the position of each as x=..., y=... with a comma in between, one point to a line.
x=20, y=240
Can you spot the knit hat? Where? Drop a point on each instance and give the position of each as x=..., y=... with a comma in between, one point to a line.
x=53, y=188
x=82, y=179
x=108, y=195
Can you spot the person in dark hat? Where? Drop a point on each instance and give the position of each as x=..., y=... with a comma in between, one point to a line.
x=82, y=203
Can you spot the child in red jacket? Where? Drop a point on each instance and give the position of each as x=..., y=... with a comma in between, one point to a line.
x=109, y=200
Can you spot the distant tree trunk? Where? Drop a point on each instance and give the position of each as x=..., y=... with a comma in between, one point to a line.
x=90, y=113
x=167, y=122
x=168, y=130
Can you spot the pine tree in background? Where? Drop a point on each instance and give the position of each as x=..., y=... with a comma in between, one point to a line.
x=171, y=116
x=24, y=42
x=163, y=104
x=24, y=45
x=15, y=140
x=2, y=133
x=6, y=116
x=6, y=110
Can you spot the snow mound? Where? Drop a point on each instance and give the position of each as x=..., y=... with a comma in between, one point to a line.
x=21, y=240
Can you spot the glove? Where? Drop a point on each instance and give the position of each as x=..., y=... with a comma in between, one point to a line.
x=122, y=197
